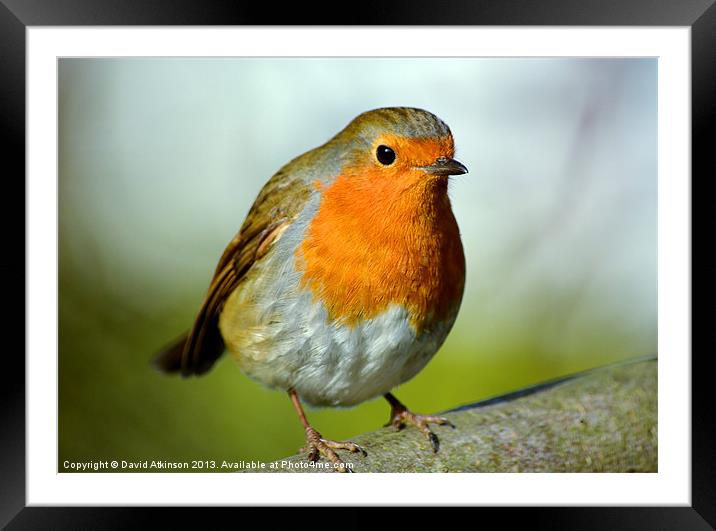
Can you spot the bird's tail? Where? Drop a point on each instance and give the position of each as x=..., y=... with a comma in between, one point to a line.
x=169, y=360
x=189, y=356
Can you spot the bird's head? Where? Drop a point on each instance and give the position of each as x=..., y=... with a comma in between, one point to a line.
x=399, y=144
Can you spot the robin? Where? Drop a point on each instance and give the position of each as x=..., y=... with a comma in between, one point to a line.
x=346, y=276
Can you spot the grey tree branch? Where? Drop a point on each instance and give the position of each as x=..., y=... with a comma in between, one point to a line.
x=604, y=420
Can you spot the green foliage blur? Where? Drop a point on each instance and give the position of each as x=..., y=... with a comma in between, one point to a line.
x=160, y=160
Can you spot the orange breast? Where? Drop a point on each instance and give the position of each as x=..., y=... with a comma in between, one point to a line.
x=380, y=239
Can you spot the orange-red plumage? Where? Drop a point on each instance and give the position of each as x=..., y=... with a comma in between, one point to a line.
x=386, y=235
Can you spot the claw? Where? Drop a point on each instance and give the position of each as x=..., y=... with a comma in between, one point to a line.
x=400, y=416
x=434, y=442
x=313, y=455
x=318, y=446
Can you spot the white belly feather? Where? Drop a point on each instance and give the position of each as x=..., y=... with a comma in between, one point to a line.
x=330, y=364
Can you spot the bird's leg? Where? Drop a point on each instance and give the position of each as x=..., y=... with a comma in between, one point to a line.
x=400, y=416
x=317, y=445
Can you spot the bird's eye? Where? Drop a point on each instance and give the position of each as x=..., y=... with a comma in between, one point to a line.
x=385, y=155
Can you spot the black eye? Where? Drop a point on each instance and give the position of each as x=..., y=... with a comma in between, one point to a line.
x=385, y=155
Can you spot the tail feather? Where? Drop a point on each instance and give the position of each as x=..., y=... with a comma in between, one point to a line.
x=175, y=358
x=169, y=360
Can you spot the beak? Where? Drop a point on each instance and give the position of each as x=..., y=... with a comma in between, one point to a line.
x=445, y=166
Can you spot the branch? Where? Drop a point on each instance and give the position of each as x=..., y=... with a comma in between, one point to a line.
x=603, y=420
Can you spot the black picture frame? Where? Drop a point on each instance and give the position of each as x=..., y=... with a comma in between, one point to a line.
x=17, y=15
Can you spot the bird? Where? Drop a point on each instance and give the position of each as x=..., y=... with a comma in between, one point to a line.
x=345, y=277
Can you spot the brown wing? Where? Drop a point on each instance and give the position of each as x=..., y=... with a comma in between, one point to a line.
x=278, y=203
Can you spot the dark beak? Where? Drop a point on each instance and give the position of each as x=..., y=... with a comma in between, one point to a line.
x=445, y=166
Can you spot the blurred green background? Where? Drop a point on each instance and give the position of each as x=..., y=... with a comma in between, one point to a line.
x=160, y=159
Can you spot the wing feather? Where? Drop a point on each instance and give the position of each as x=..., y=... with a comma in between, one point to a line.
x=276, y=206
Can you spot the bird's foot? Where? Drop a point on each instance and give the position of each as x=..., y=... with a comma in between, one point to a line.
x=316, y=446
x=401, y=416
